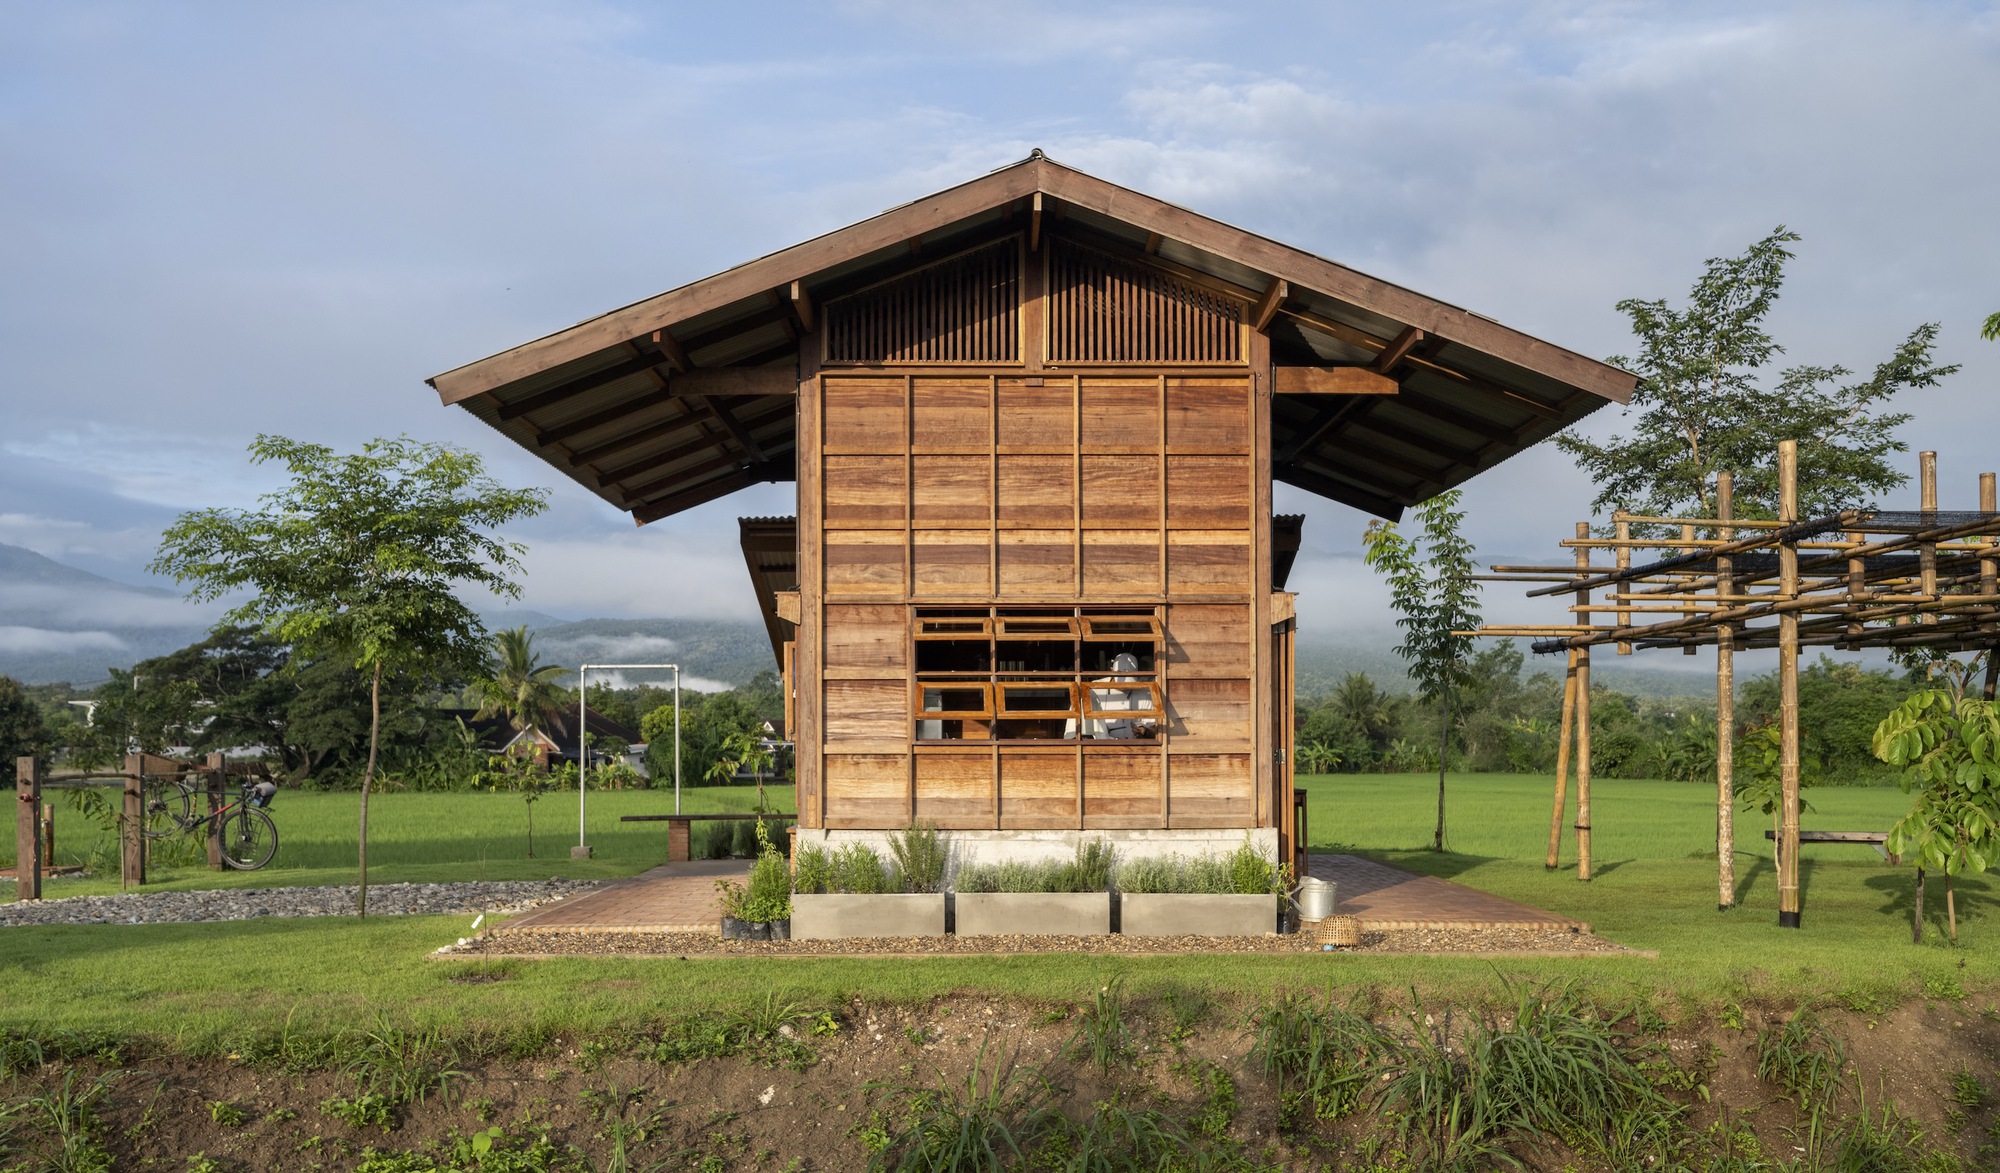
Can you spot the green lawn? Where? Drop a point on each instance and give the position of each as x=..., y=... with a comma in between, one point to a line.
x=205, y=985
x=1655, y=873
x=419, y=837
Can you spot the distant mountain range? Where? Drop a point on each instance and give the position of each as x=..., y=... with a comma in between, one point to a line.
x=59, y=623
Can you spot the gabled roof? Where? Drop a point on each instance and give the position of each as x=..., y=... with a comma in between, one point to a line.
x=682, y=398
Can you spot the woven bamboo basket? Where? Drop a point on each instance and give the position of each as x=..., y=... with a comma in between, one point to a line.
x=1342, y=931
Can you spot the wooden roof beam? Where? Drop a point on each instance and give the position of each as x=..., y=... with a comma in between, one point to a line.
x=736, y=429
x=1325, y=419
x=609, y=415
x=1267, y=305
x=687, y=499
x=1314, y=482
x=1035, y=222
x=1427, y=476
x=1419, y=441
x=802, y=305
x=691, y=416
x=1397, y=350
x=703, y=442
x=581, y=385
x=664, y=339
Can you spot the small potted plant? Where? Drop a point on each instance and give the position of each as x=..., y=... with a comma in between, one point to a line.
x=761, y=909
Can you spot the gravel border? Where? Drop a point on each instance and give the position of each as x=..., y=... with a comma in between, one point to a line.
x=493, y=897
x=585, y=943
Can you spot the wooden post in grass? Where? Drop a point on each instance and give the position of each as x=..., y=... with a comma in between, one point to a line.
x=1583, y=733
x=1725, y=706
x=217, y=768
x=132, y=824
x=1564, y=730
x=28, y=830
x=1788, y=692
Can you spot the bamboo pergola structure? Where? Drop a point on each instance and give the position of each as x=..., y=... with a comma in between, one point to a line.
x=1859, y=578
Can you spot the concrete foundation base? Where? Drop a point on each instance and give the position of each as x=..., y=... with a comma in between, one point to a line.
x=827, y=916
x=1069, y=914
x=580, y=852
x=1162, y=914
x=975, y=847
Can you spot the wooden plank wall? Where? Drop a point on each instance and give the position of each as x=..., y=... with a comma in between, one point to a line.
x=1118, y=487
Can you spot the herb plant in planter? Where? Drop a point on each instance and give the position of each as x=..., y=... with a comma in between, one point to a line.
x=1234, y=895
x=761, y=909
x=1065, y=897
x=851, y=892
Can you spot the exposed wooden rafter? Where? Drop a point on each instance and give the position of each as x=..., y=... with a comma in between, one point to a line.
x=1267, y=305
x=1397, y=350
x=609, y=415
x=664, y=339
x=581, y=385
x=802, y=305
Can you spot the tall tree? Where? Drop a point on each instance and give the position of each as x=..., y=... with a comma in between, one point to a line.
x=518, y=685
x=1431, y=586
x=360, y=556
x=23, y=734
x=1703, y=404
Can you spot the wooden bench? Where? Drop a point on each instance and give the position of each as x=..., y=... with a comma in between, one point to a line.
x=1874, y=839
x=678, y=836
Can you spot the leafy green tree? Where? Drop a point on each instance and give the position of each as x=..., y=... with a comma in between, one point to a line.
x=23, y=733
x=1702, y=405
x=1991, y=330
x=360, y=557
x=1948, y=747
x=1431, y=587
x=518, y=685
x=707, y=723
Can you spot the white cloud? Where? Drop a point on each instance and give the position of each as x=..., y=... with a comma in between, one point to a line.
x=36, y=640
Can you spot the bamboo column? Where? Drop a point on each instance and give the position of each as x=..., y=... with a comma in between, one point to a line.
x=1622, y=558
x=1989, y=579
x=1583, y=733
x=27, y=830
x=1563, y=734
x=1725, y=707
x=1927, y=552
x=1788, y=693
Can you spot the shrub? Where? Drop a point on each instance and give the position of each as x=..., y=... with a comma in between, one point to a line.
x=1089, y=871
x=920, y=857
x=857, y=869
x=1244, y=871
x=812, y=871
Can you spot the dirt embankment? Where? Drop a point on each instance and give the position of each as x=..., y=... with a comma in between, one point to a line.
x=823, y=1088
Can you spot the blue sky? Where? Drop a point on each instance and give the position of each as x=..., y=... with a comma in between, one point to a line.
x=231, y=218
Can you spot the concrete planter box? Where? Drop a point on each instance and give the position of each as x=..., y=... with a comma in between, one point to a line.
x=1069, y=914
x=1165, y=914
x=824, y=917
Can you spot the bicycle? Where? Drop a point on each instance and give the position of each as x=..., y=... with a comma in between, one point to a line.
x=247, y=835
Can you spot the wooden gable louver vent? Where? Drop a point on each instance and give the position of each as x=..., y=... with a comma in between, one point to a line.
x=963, y=309
x=1105, y=310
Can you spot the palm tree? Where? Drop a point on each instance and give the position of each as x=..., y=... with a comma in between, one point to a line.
x=519, y=686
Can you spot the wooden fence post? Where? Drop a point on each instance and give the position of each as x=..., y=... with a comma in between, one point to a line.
x=28, y=829
x=213, y=788
x=132, y=824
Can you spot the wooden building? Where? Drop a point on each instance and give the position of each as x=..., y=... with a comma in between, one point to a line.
x=1034, y=583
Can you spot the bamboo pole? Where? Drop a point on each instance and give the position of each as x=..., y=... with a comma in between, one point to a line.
x=1583, y=739
x=1989, y=582
x=1623, y=558
x=1565, y=731
x=1927, y=553
x=1788, y=695
x=1725, y=713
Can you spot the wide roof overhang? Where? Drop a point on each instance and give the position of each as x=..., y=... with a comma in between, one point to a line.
x=688, y=396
